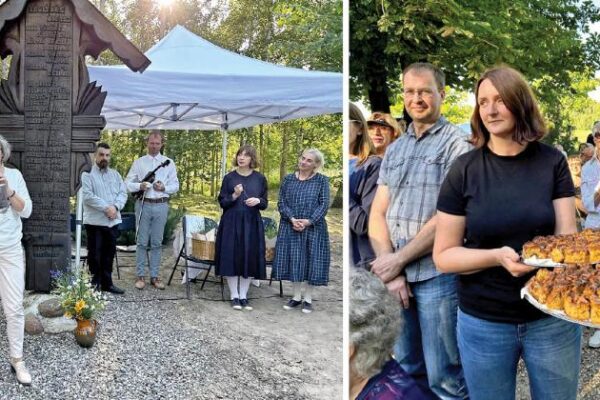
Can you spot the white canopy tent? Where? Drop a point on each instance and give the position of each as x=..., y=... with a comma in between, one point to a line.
x=196, y=85
x=193, y=84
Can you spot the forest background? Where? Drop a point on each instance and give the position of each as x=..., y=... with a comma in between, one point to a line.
x=295, y=33
x=554, y=43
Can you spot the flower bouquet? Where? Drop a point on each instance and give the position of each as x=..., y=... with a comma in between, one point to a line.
x=80, y=301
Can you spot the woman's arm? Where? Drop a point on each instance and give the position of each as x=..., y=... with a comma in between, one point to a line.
x=449, y=254
x=359, y=213
x=319, y=213
x=564, y=212
x=284, y=210
x=226, y=199
x=263, y=197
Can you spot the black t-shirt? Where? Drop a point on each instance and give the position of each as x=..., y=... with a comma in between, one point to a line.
x=507, y=200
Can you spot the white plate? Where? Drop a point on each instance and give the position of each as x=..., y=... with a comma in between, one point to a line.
x=555, y=313
x=541, y=262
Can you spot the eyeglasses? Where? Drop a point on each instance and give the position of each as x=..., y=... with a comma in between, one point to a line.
x=423, y=93
x=596, y=135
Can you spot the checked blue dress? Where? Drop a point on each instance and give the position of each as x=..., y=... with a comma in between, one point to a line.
x=303, y=256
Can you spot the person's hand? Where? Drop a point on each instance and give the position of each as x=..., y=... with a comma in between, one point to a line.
x=145, y=186
x=387, y=266
x=252, y=201
x=4, y=181
x=304, y=222
x=158, y=186
x=509, y=259
x=399, y=288
x=111, y=212
x=297, y=225
x=238, y=189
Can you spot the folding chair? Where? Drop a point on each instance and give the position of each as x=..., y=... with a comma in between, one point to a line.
x=205, y=264
x=270, y=223
x=127, y=224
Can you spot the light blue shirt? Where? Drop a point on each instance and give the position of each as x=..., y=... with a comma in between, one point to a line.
x=590, y=177
x=102, y=189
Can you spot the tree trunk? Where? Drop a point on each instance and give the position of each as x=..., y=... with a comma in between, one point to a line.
x=261, y=148
x=284, y=150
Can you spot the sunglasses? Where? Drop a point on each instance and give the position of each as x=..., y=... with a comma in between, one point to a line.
x=597, y=135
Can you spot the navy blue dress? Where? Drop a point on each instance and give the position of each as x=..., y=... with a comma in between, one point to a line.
x=240, y=247
x=303, y=256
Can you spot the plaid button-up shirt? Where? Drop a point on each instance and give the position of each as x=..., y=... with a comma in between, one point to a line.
x=413, y=170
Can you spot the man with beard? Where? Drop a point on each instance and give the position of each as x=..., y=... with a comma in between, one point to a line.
x=104, y=195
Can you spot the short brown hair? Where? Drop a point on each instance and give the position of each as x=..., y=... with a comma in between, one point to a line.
x=520, y=101
x=438, y=74
x=249, y=151
x=363, y=147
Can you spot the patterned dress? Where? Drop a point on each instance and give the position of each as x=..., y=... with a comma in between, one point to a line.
x=303, y=256
x=240, y=247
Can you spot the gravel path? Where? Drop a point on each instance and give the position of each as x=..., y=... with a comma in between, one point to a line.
x=158, y=345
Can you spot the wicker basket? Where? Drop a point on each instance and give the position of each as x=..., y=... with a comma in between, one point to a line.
x=269, y=254
x=203, y=249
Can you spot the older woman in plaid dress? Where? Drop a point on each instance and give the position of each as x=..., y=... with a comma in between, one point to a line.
x=302, y=252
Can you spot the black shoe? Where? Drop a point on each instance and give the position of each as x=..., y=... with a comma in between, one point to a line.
x=114, y=290
x=235, y=303
x=245, y=304
x=291, y=304
x=307, y=307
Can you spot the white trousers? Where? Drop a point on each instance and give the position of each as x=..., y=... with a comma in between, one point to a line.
x=12, y=286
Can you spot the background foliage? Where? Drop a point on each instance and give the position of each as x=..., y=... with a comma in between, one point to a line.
x=549, y=41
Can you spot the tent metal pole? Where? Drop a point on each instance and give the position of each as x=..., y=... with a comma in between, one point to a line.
x=78, y=223
x=224, y=130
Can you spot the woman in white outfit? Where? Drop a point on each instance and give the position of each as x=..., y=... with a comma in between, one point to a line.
x=15, y=204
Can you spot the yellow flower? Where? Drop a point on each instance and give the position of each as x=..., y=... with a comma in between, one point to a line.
x=68, y=315
x=80, y=305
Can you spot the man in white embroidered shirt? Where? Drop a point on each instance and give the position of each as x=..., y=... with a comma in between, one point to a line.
x=104, y=195
x=152, y=208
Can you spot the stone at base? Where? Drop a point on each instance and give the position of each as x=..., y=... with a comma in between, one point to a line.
x=33, y=326
x=58, y=325
x=51, y=308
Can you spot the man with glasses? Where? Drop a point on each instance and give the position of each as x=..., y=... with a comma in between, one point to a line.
x=590, y=195
x=402, y=228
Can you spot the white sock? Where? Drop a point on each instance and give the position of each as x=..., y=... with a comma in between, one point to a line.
x=297, y=290
x=308, y=293
x=244, y=285
x=232, y=282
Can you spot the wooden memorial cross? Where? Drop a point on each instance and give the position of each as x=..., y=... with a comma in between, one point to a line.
x=50, y=113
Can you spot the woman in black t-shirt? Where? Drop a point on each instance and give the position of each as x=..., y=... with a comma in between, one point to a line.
x=495, y=198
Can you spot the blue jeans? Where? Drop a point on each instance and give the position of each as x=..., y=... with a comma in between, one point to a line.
x=426, y=346
x=490, y=351
x=151, y=229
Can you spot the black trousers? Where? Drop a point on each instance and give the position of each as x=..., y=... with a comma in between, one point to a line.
x=101, y=247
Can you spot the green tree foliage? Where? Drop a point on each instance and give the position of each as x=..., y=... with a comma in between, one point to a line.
x=542, y=38
x=297, y=33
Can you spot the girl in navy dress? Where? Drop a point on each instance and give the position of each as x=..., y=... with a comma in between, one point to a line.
x=302, y=251
x=240, y=247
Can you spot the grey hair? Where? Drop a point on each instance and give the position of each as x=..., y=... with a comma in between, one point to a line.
x=319, y=157
x=374, y=322
x=596, y=127
x=6, y=149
